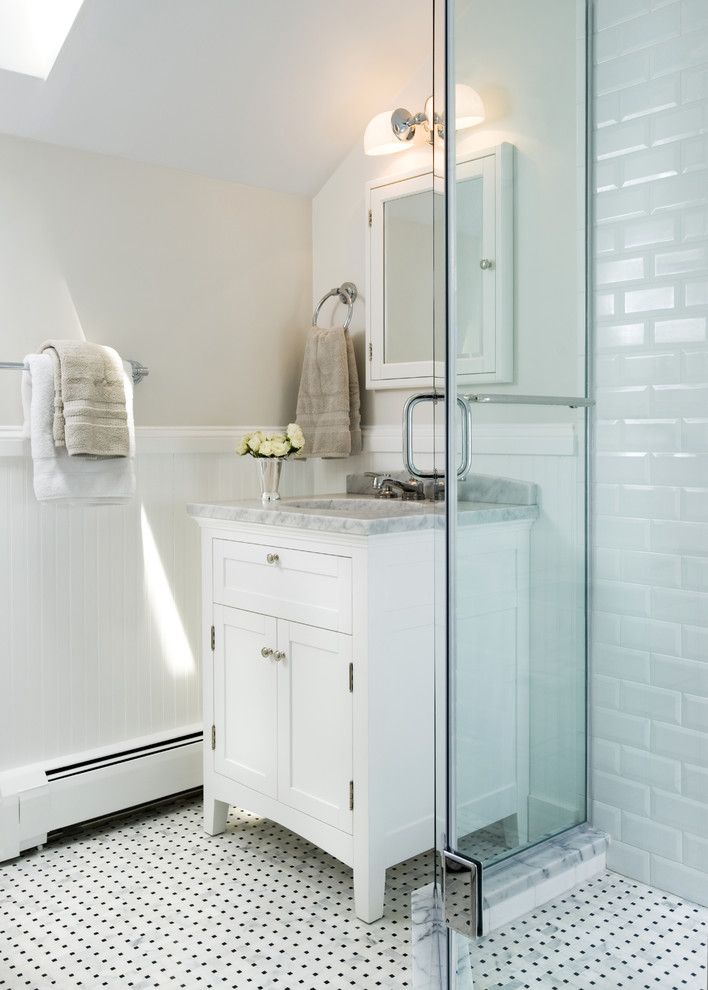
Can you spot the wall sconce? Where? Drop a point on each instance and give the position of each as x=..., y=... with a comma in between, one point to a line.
x=392, y=131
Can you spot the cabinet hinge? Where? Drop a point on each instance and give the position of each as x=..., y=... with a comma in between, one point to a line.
x=371, y=218
x=213, y=737
x=371, y=352
x=351, y=676
x=351, y=795
x=213, y=639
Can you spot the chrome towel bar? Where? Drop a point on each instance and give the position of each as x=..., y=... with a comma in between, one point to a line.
x=347, y=293
x=139, y=370
x=465, y=404
x=498, y=398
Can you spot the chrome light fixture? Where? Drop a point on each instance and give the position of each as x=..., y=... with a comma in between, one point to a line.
x=393, y=130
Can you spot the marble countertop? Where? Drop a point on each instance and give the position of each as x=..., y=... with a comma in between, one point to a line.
x=356, y=515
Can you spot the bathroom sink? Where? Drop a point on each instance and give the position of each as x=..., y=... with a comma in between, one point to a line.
x=357, y=506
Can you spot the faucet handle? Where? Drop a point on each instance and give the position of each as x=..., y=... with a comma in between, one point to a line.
x=417, y=488
x=376, y=477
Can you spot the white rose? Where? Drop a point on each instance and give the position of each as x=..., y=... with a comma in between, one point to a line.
x=266, y=448
x=243, y=447
x=277, y=437
x=255, y=441
x=280, y=448
x=295, y=436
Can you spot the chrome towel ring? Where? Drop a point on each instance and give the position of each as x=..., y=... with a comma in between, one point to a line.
x=347, y=293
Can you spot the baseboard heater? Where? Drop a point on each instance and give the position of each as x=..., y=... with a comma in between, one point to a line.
x=36, y=800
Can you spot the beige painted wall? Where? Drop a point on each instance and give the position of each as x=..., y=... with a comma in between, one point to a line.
x=208, y=283
x=339, y=232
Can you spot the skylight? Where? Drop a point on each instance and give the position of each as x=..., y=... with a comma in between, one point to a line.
x=32, y=33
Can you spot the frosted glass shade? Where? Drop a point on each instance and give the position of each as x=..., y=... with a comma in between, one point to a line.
x=379, y=138
x=469, y=108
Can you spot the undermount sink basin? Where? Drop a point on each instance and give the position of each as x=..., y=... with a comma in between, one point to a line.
x=355, y=506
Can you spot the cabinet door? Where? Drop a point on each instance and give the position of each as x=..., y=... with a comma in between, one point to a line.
x=245, y=698
x=402, y=228
x=315, y=723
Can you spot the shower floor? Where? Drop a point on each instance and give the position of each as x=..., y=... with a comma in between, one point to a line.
x=608, y=934
x=150, y=901
x=485, y=844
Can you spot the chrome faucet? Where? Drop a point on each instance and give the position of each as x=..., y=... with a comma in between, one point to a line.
x=387, y=487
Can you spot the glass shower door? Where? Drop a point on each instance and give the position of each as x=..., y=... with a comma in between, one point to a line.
x=515, y=679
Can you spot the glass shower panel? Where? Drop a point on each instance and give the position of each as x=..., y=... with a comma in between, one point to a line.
x=518, y=672
x=516, y=524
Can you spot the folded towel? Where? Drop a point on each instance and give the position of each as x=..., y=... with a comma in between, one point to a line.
x=90, y=416
x=58, y=477
x=328, y=403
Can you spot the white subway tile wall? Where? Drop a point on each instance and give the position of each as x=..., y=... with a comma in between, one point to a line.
x=650, y=630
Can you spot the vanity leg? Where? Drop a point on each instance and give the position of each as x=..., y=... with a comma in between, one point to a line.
x=369, y=887
x=215, y=815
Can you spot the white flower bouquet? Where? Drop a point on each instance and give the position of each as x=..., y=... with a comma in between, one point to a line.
x=260, y=444
x=270, y=450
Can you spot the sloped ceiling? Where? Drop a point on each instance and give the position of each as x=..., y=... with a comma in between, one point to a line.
x=269, y=93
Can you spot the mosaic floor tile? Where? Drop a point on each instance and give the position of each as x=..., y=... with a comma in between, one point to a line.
x=149, y=901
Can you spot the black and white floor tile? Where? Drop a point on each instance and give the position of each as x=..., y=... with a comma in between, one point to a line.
x=486, y=844
x=608, y=934
x=150, y=901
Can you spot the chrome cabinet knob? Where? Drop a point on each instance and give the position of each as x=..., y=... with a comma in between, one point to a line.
x=485, y=264
x=278, y=655
x=266, y=652
x=272, y=558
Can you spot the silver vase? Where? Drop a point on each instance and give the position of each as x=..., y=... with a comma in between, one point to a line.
x=269, y=470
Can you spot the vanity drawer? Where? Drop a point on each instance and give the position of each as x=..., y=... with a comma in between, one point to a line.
x=313, y=588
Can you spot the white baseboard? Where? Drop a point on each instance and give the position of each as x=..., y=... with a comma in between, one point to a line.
x=35, y=801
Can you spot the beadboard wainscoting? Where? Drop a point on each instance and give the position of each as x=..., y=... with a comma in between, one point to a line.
x=100, y=608
x=100, y=611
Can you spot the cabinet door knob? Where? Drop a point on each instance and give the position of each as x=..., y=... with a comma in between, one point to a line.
x=272, y=558
x=266, y=652
x=278, y=655
x=485, y=264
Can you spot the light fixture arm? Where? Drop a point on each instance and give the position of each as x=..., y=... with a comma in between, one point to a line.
x=392, y=131
x=434, y=121
x=404, y=123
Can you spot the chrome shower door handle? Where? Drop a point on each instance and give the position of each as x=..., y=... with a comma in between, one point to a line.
x=466, y=435
x=408, y=462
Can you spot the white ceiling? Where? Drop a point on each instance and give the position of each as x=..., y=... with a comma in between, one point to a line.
x=266, y=92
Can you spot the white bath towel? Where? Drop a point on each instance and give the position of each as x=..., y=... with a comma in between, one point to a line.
x=59, y=477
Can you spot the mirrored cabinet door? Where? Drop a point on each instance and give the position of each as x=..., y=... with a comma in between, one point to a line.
x=400, y=295
x=400, y=302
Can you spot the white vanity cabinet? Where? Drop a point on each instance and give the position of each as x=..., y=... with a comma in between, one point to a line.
x=283, y=712
x=318, y=670
x=318, y=690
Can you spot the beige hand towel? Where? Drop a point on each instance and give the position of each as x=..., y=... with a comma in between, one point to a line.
x=328, y=404
x=90, y=417
x=58, y=477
